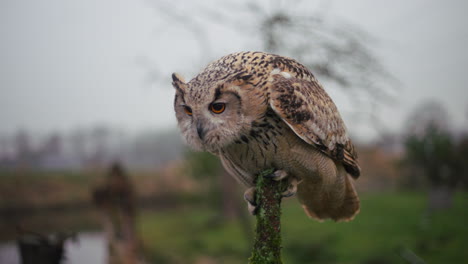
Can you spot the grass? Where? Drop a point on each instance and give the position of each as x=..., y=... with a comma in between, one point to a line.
x=181, y=236
x=388, y=225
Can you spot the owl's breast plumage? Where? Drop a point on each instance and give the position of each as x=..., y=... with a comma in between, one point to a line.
x=269, y=144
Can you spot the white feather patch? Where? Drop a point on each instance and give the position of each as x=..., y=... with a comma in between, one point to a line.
x=286, y=75
x=275, y=71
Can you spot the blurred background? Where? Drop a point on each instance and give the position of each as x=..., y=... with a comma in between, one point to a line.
x=91, y=159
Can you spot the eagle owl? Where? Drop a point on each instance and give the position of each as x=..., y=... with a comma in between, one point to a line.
x=258, y=111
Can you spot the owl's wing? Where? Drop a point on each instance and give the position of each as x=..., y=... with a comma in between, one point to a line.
x=309, y=111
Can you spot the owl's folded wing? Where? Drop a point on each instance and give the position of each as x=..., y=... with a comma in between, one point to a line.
x=309, y=111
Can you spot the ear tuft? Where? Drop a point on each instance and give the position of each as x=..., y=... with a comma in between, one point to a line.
x=177, y=81
x=177, y=78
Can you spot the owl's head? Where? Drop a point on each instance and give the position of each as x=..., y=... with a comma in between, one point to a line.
x=214, y=113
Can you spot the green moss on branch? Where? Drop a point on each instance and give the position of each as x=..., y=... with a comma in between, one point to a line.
x=267, y=243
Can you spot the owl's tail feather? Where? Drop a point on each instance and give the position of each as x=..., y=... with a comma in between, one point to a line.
x=338, y=201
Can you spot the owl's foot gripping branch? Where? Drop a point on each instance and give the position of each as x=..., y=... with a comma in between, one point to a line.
x=268, y=195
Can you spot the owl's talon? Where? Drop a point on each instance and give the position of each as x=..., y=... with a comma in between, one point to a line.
x=249, y=197
x=252, y=209
x=292, y=188
x=278, y=175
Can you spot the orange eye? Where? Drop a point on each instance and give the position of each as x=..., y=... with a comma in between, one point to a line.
x=218, y=108
x=188, y=110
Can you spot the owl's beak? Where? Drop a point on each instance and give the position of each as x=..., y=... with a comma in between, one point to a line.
x=200, y=130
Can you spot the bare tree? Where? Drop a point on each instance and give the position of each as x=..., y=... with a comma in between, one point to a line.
x=335, y=50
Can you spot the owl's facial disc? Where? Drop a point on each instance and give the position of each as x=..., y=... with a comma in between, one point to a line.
x=209, y=117
x=217, y=124
x=213, y=123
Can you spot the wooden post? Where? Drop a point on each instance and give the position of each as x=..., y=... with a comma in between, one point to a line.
x=267, y=243
x=116, y=202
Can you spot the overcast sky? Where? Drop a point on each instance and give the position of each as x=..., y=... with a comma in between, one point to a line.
x=68, y=64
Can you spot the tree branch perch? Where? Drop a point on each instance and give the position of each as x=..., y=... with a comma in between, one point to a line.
x=267, y=244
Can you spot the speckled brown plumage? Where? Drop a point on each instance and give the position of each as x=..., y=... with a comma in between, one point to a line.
x=277, y=116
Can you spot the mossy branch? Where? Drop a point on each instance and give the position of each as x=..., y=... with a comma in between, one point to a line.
x=267, y=243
